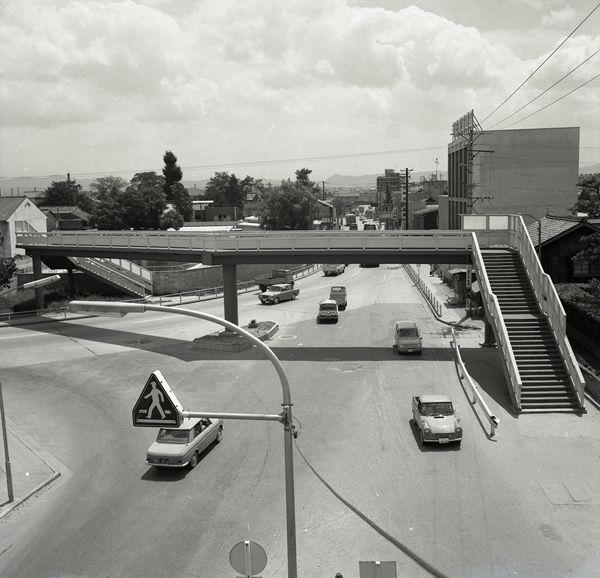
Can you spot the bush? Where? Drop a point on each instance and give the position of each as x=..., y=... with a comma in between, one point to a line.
x=582, y=307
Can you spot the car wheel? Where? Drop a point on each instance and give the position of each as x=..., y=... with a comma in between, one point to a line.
x=194, y=461
x=219, y=435
x=276, y=300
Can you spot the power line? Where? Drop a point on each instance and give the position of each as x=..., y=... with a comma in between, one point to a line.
x=255, y=163
x=542, y=64
x=554, y=101
x=545, y=91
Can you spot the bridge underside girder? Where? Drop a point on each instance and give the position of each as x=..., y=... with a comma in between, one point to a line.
x=382, y=256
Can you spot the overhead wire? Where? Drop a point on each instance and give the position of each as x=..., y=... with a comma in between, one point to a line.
x=545, y=91
x=553, y=102
x=542, y=64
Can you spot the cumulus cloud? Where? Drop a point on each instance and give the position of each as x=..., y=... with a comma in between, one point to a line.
x=225, y=67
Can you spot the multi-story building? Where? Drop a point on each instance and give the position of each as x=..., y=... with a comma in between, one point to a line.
x=528, y=171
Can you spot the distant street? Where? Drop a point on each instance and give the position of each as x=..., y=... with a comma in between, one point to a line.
x=524, y=504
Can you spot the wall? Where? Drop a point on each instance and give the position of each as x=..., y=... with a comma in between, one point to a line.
x=530, y=171
x=169, y=282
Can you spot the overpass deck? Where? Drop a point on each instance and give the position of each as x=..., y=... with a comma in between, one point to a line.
x=257, y=247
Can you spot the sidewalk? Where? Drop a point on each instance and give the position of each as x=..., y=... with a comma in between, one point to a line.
x=31, y=470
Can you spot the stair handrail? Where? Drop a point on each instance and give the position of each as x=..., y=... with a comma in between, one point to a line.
x=492, y=308
x=133, y=268
x=477, y=397
x=548, y=300
x=110, y=274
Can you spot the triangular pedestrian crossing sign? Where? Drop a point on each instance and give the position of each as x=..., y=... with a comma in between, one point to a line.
x=157, y=405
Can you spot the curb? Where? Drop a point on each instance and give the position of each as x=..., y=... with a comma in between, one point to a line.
x=14, y=505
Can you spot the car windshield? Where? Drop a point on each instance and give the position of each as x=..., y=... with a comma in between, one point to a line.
x=173, y=436
x=328, y=307
x=439, y=408
x=275, y=288
x=407, y=332
x=337, y=289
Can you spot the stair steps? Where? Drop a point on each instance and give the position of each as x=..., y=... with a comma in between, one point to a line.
x=546, y=385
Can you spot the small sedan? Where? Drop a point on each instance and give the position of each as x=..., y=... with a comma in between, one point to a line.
x=180, y=447
x=276, y=293
x=435, y=418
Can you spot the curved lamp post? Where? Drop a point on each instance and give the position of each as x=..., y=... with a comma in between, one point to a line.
x=122, y=308
x=34, y=284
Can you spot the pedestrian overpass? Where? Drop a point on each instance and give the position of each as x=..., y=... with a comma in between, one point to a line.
x=521, y=305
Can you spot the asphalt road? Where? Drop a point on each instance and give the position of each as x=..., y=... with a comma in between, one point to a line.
x=524, y=504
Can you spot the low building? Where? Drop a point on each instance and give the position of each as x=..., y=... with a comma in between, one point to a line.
x=18, y=215
x=66, y=218
x=561, y=240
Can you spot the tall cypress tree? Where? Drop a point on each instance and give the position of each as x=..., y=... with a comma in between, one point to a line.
x=171, y=172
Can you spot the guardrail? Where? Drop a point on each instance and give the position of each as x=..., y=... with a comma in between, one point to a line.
x=477, y=398
x=492, y=309
x=11, y=315
x=436, y=306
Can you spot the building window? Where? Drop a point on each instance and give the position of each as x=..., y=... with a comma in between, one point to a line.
x=585, y=268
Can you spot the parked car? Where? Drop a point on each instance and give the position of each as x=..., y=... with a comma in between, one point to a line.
x=368, y=264
x=335, y=269
x=328, y=311
x=436, y=420
x=180, y=447
x=370, y=227
x=338, y=294
x=407, y=338
x=276, y=293
x=353, y=227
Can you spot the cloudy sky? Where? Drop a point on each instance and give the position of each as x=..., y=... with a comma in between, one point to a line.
x=342, y=86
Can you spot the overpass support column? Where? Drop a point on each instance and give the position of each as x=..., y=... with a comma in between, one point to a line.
x=489, y=339
x=71, y=278
x=230, y=302
x=37, y=274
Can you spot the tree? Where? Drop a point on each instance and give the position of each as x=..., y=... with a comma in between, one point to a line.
x=61, y=193
x=589, y=197
x=289, y=206
x=171, y=172
x=171, y=220
x=108, y=186
x=144, y=201
x=216, y=189
x=591, y=251
x=182, y=202
x=8, y=268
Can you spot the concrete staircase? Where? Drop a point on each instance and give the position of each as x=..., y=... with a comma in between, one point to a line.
x=546, y=383
x=109, y=272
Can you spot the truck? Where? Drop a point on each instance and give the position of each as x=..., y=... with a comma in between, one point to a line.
x=338, y=294
x=277, y=277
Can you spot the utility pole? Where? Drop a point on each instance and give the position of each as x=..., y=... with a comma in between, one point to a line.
x=323, y=189
x=406, y=171
x=436, y=168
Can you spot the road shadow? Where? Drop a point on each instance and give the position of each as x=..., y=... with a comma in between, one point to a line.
x=158, y=474
x=484, y=365
x=186, y=350
x=430, y=447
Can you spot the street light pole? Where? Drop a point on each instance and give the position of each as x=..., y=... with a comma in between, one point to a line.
x=102, y=307
x=34, y=284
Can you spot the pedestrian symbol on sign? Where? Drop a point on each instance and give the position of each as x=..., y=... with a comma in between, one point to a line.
x=157, y=405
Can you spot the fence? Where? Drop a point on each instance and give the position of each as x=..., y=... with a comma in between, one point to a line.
x=436, y=306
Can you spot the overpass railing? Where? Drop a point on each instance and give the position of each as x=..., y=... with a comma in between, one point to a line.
x=250, y=241
x=477, y=397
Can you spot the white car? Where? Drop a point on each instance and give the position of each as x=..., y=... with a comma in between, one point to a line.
x=328, y=310
x=181, y=446
x=435, y=418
